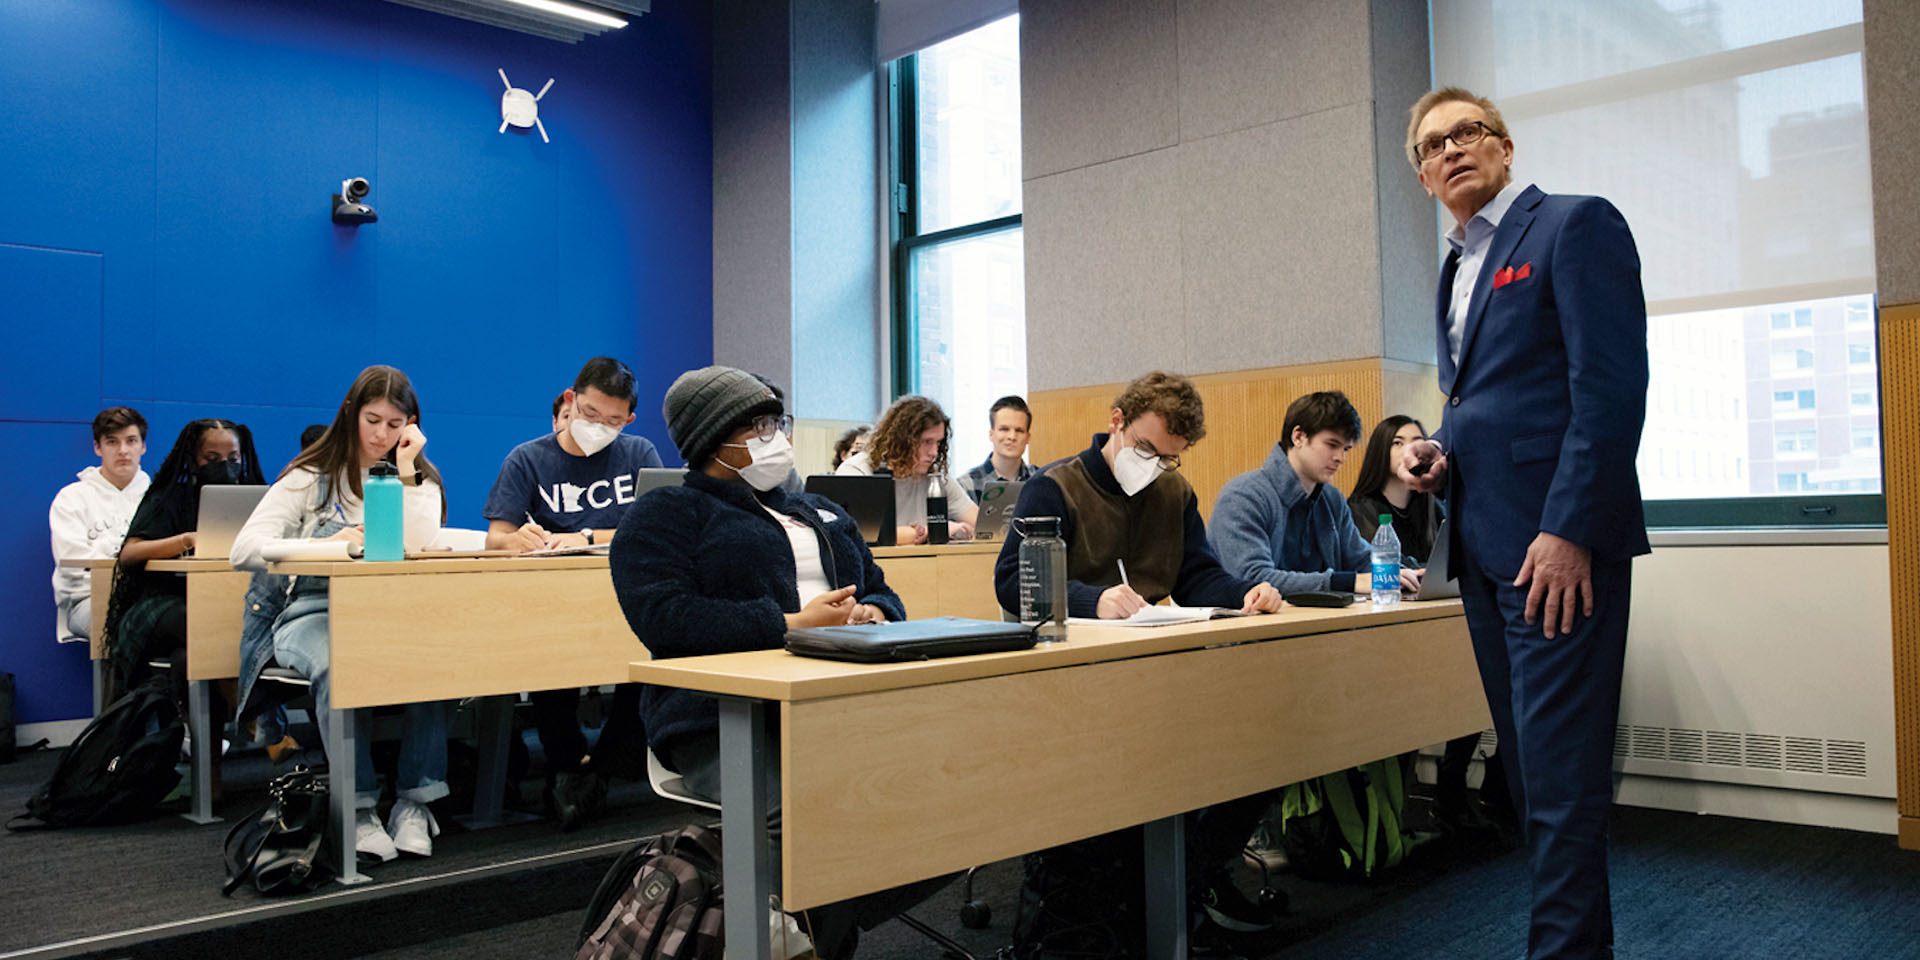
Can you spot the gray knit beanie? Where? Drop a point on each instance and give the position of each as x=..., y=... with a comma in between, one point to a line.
x=700, y=405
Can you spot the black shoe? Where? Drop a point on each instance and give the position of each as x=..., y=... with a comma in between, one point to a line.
x=1230, y=909
x=1463, y=817
x=577, y=797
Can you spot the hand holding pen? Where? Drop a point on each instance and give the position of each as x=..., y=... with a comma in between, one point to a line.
x=530, y=536
x=1119, y=602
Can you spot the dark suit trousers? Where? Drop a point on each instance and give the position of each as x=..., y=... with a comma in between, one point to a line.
x=1555, y=704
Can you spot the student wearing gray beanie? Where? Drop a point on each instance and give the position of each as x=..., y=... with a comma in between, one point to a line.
x=730, y=561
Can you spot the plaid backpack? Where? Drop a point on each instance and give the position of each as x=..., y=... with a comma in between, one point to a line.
x=660, y=901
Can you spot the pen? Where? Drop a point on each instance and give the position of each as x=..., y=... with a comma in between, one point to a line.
x=1122, y=564
x=342, y=514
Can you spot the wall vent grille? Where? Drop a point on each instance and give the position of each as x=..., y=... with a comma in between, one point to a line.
x=1753, y=751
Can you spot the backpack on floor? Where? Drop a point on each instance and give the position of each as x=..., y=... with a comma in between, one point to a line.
x=119, y=768
x=1349, y=825
x=660, y=901
x=1084, y=900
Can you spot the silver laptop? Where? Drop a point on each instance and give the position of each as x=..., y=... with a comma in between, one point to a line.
x=997, y=499
x=648, y=479
x=1435, y=585
x=224, y=509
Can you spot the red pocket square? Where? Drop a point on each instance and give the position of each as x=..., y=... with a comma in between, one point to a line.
x=1506, y=275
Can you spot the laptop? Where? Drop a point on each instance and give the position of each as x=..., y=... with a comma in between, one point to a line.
x=997, y=499
x=648, y=479
x=868, y=500
x=224, y=509
x=922, y=639
x=1435, y=585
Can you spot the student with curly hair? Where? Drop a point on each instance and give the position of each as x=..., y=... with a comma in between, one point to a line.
x=910, y=443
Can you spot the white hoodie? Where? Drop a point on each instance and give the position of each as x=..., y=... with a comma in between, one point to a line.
x=89, y=518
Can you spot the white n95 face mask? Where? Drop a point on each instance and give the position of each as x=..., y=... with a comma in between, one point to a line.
x=1135, y=470
x=772, y=461
x=592, y=437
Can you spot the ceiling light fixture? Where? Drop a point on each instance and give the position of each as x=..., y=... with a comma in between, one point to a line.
x=572, y=11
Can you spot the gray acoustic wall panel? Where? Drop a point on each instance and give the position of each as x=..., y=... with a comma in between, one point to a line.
x=1409, y=245
x=1248, y=62
x=1277, y=229
x=1098, y=81
x=1893, y=87
x=1103, y=269
x=752, y=188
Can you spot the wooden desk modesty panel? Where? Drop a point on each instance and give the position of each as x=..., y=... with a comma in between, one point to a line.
x=419, y=630
x=950, y=580
x=899, y=772
x=216, y=594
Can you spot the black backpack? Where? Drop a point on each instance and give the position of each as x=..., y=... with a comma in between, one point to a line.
x=119, y=768
x=660, y=901
x=1084, y=900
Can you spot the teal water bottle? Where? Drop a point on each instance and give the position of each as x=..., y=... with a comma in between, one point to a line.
x=381, y=515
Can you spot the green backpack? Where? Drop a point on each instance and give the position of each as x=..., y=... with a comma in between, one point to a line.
x=1348, y=825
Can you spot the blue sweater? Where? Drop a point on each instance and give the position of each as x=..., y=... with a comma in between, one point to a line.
x=1257, y=530
x=702, y=569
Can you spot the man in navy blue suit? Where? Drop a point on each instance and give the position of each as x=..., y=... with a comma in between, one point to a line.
x=1543, y=357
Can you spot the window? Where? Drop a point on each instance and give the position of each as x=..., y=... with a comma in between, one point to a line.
x=1790, y=442
x=1737, y=151
x=958, y=274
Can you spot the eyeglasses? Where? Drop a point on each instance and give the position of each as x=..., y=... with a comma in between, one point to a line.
x=1466, y=134
x=766, y=426
x=1167, y=461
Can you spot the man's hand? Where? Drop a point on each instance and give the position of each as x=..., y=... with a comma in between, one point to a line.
x=1263, y=598
x=1120, y=602
x=958, y=530
x=528, y=536
x=1410, y=580
x=1561, y=573
x=1425, y=465
x=830, y=609
x=867, y=613
x=910, y=534
x=567, y=540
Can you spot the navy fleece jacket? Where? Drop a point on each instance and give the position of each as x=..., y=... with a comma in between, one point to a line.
x=702, y=569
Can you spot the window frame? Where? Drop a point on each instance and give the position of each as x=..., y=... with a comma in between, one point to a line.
x=903, y=109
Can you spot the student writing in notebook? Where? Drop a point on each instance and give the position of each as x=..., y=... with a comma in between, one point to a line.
x=1121, y=502
x=730, y=561
x=318, y=497
x=569, y=489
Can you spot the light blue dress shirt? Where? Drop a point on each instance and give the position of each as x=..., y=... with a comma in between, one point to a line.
x=1472, y=243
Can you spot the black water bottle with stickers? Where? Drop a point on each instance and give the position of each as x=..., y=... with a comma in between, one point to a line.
x=937, y=510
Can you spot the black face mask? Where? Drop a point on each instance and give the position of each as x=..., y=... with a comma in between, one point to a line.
x=218, y=472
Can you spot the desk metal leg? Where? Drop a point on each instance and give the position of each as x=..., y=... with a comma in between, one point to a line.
x=1166, y=861
x=493, y=729
x=200, y=728
x=341, y=732
x=99, y=687
x=746, y=863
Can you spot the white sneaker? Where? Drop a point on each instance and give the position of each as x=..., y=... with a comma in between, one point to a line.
x=413, y=828
x=370, y=838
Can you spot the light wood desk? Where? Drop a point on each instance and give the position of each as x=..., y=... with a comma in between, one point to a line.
x=421, y=630
x=950, y=580
x=215, y=595
x=100, y=583
x=897, y=772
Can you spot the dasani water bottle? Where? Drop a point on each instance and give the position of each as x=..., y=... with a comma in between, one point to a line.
x=1386, y=564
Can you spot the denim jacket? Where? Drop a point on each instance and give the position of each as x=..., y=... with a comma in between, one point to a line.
x=269, y=596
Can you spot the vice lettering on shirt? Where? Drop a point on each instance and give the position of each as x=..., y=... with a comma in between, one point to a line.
x=598, y=495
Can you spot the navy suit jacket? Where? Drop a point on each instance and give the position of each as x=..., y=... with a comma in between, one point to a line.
x=1546, y=404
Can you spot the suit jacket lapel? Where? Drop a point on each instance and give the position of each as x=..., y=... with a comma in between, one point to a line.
x=1513, y=226
x=1451, y=267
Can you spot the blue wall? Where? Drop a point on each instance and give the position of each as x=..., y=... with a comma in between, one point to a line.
x=165, y=240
